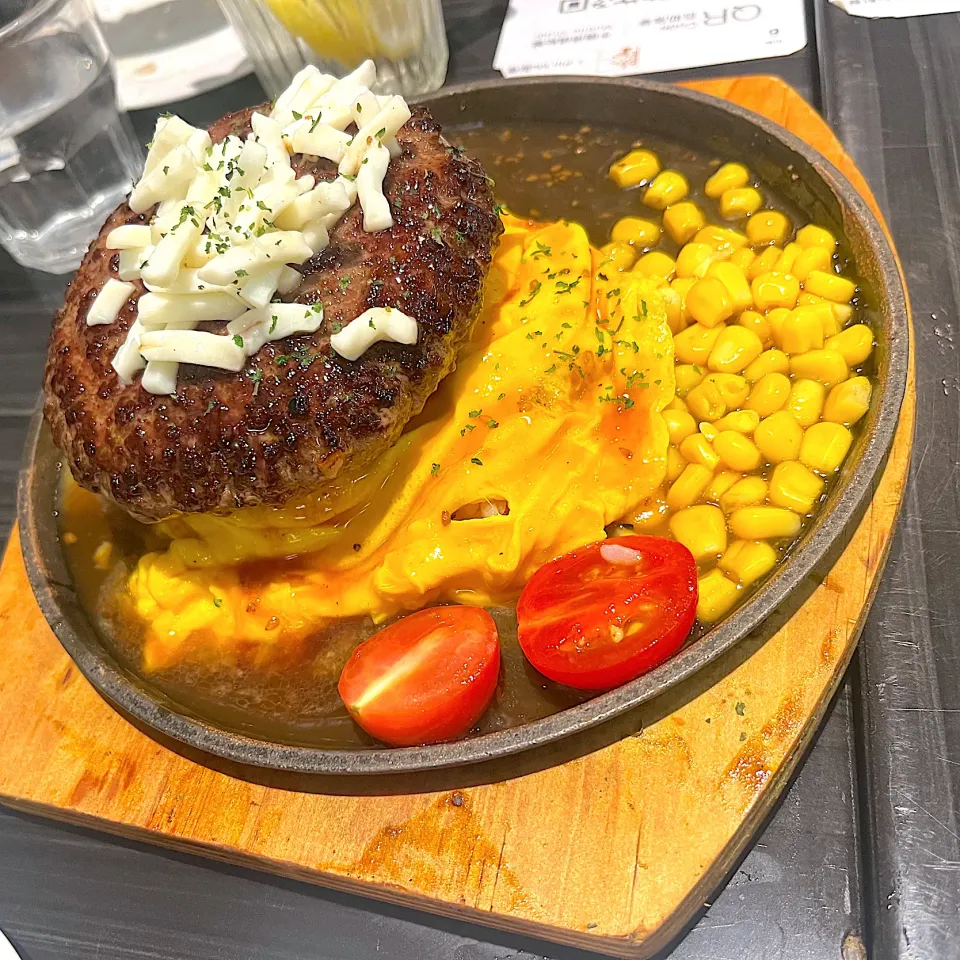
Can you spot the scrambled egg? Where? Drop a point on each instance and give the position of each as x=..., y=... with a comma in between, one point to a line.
x=548, y=431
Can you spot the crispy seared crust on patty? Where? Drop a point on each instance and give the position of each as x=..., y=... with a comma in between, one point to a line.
x=299, y=414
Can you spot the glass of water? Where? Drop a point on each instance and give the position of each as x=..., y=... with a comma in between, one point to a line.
x=68, y=156
x=405, y=38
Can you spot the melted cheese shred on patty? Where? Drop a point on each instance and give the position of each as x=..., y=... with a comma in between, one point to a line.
x=549, y=430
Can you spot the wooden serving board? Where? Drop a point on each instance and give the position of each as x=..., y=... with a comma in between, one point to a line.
x=610, y=842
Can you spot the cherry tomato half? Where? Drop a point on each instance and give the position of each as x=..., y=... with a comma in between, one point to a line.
x=425, y=678
x=606, y=613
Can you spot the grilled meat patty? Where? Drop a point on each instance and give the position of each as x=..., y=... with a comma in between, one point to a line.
x=299, y=414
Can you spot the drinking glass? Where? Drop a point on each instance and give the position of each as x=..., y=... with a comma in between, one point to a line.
x=405, y=38
x=68, y=156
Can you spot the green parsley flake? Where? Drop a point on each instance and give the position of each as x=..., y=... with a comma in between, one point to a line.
x=535, y=287
x=238, y=340
x=435, y=469
x=477, y=461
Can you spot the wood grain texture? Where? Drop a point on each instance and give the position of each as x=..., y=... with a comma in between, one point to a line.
x=611, y=850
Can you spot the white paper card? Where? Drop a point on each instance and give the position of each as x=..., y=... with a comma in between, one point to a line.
x=897, y=8
x=615, y=38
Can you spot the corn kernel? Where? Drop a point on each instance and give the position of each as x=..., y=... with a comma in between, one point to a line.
x=688, y=376
x=741, y=421
x=739, y=202
x=683, y=220
x=636, y=232
x=793, y=486
x=800, y=331
x=701, y=530
x=806, y=401
x=764, y=262
x=747, y=492
x=736, y=348
x=651, y=514
x=824, y=446
x=720, y=484
x=730, y=176
x=694, y=344
x=768, y=227
x=770, y=361
x=737, y=451
x=735, y=280
x=734, y=388
x=769, y=394
x=814, y=236
x=621, y=255
x=655, y=264
x=764, y=523
x=694, y=260
x=715, y=596
x=709, y=431
x=743, y=258
x=748, y=560
x=779, y=437
x=829, y=286
x=706, y=402
x=825, y=310
x=843, y=312
x=697, y=449
x=827, y=366
x=776, y=318
x=854, y=344
x=849, y=401
x=810, y=259
x=721, y=239
x=680, y=425
x=668, y=187
x=709, y=302
x=673, y=307
x=676, y=464
x=758, y=324
x=788, y=258
x=772, y=290
x=687, y=489
x=635, y=168
x=675, y=303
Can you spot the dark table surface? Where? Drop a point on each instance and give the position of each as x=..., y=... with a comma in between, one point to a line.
x=862, y=856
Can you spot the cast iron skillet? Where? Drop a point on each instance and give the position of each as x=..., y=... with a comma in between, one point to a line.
x=791, y=169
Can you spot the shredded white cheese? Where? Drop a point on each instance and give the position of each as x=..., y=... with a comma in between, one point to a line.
x=373, y=326
x=231, y=221
x=109, y=302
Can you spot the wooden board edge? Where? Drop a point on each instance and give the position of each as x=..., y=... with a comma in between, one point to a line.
x=654, y=940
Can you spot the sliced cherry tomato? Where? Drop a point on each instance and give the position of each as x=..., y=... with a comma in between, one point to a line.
x=606, y=613
x=425, y=678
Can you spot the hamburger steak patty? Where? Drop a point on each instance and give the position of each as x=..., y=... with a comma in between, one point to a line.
x=298, y=414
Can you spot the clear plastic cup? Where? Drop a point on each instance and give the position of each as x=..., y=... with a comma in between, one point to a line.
x=405, y=38
x=68, y=156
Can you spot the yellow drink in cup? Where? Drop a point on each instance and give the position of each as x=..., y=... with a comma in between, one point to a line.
x=405, y=38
